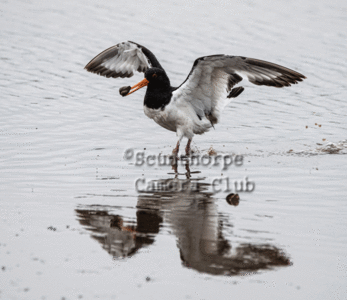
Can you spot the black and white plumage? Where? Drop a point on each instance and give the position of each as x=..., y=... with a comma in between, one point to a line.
x=196, y=105
x=122, y=60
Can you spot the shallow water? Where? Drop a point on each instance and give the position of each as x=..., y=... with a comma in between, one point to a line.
x=73, y=225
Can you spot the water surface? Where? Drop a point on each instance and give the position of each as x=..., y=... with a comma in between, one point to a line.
x=73, y=224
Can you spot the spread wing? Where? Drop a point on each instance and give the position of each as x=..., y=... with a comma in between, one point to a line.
x=122, y=60
x=212, y=77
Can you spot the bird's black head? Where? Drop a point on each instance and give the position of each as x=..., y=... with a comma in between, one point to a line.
x=159, y=90
x=157, y=79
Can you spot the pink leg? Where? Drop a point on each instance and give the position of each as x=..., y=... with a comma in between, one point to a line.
x=188, y=147
x=175, y=150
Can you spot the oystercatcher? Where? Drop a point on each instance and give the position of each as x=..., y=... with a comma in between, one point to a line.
x=196, y=105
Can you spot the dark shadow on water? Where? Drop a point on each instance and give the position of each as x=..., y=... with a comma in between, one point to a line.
x=191, y=212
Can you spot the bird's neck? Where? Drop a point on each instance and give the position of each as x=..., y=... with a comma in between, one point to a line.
x=157, y=97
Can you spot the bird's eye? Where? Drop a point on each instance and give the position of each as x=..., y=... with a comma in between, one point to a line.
x=154, y=75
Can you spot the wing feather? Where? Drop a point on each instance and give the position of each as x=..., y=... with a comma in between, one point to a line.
x=212, y=77
x=122, y=60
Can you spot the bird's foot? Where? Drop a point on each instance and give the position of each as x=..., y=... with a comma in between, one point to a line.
x=188, y=171
x=174, y=168
x=173, y=160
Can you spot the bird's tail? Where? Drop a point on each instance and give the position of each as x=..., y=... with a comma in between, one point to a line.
x=235, y=92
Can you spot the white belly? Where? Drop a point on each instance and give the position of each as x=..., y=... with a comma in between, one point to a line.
x=179, y=117
x=161, y=117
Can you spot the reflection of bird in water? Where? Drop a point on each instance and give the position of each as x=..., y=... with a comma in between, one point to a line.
x=196, y=105
x=198, y=226
x=117, y=238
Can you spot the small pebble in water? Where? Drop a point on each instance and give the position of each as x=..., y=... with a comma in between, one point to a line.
x=211, y=152
x=124, y=90
x=233, y=199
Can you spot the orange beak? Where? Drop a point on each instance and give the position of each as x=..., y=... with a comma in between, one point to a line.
x=139, y=85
